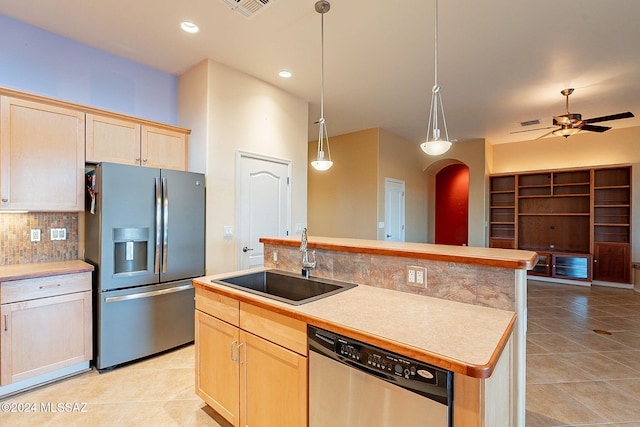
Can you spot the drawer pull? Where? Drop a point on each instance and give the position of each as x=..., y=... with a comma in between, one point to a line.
x=53, y=285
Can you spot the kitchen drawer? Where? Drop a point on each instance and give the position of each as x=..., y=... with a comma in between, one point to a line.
x=220, y=306
x=41, y=287
x=277, y=328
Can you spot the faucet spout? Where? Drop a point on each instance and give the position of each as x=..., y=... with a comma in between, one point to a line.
x=303, y=242
x=308, y=262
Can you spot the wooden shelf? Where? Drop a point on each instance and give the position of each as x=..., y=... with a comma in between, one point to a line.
x=554, y=214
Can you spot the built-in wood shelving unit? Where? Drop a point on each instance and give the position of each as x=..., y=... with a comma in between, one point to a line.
x=578, y=220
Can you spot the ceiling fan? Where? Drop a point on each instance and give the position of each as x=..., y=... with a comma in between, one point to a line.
x=572, y=123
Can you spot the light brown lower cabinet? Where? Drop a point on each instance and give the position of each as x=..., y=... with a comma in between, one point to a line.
x=43, y=335
x=252, y=369
x=247, y=379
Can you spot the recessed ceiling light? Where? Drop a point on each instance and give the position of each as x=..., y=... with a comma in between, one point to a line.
x=285, y=74
x=189, y=27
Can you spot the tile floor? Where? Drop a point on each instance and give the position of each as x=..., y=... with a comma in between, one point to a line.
x=155, y=392
x=575, y=376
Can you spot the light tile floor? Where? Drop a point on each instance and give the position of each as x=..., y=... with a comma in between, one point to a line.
x=157, y=392
x=575, y=376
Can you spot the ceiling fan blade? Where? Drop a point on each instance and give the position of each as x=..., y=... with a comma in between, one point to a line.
x=593, y=128
x=611, y=117
x=530, y=130
x=542, y=136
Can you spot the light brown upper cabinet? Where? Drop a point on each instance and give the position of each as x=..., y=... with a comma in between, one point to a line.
x=120, y=140
x=41, y=156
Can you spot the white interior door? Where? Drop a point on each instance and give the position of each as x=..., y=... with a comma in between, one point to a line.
x=394, y=210
x=264, y=205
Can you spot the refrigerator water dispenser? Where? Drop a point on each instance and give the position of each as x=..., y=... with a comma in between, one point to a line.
x=130, y=249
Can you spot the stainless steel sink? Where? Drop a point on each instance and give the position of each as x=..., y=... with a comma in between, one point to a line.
x=286, y=287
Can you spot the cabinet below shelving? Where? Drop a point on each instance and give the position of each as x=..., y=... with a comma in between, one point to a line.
x=563, y=266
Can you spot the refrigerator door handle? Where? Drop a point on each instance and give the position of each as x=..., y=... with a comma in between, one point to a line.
x=165, y=224
x=158, y=220
x=148, y=294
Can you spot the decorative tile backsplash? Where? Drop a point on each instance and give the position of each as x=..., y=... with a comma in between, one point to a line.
x=16, y=246
x=467, y=283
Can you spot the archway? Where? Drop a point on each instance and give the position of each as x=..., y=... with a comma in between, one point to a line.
x=452, y=205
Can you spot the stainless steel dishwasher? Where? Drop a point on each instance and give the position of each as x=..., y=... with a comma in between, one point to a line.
x=354, y=384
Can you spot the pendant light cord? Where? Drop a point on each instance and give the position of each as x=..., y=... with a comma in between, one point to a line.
x=435, y=50
x=322, y=68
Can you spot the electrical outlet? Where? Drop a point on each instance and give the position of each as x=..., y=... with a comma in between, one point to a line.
x=416, y=276
x=411, y=275
x=275, y=257
x=35, y=234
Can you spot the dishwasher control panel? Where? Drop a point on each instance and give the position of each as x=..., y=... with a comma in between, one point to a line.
x=383, y=361
x=389, y=366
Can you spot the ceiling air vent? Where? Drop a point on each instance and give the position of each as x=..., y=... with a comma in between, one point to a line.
x=247, y=8
x=530, y=122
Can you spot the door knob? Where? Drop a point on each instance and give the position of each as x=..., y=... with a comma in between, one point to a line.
x=246, y=249
x=388, y=236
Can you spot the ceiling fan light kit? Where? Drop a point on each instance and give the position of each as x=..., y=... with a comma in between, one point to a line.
x=435, y=145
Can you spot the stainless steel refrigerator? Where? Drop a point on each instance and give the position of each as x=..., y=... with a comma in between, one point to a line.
x=145, y=236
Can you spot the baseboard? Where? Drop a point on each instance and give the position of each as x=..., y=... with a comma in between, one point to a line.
x=28, y=384
x=582, y=282
x=613, y=284
x=557, y=280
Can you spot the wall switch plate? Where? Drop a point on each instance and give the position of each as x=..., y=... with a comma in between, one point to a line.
x=299, y=228
x=228, y=231
x=275, y=256
x=35, y=234
x=417, y=276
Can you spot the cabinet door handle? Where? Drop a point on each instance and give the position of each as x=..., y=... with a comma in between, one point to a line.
x=240, y=359
x=233, y=344
x=6, y=322
x=5, y=200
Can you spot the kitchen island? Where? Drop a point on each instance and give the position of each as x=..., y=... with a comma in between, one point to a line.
x=476, y=342
x=478, y=276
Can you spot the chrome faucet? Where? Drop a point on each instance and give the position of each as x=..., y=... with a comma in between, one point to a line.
x=308, y=263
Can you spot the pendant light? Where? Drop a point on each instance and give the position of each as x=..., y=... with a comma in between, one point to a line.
x=435, y=144
x=323, y=160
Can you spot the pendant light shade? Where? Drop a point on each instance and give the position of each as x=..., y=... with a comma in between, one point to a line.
x=323, y=158
x=435, y=144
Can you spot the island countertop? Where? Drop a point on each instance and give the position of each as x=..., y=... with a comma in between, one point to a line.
x=490, y=257
x=41, y=269
x=466, y=339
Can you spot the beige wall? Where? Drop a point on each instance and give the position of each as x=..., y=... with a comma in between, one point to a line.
x=616, y=146
x=239, y=113
x=401, y=159
x=472, y=154
x=343, y=201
